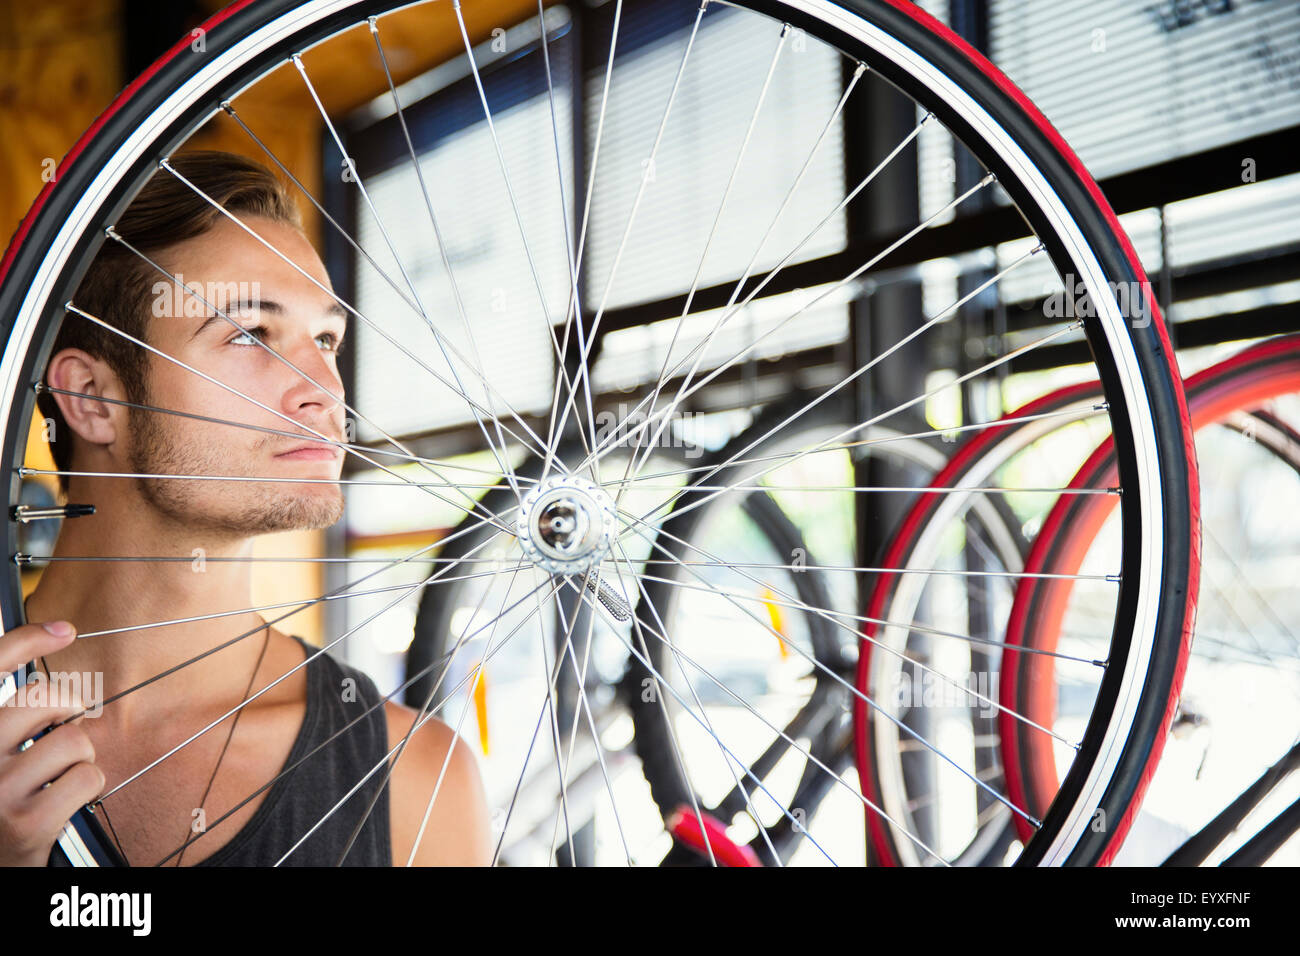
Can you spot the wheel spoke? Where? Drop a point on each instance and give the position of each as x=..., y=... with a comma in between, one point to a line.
x=686, y=392
x=958, y=572
x=225, y=746
x=419, y=723
x=1246, y=582
x=288, y=769
x=561, y=764
x=408, y=589
x=708, y=724
x=674, y=745
x=795, y=605
x=546, y=707
x=523, y=770
x=428, y=702
x=189, y=740
x=299, y=604
x=357, y=247
x=749, y=267
x=699, y=350
x=574, y=306
x=663, y=682
x=389, y=564
x=500, y=451
x=731, y=308
x=834, y=446
x=280, y=358
x=573, y=315
x=708, y=243
x=510, y=191
x=793, y=745
x=404, y=483
x=28, y=559
x=584, y=371
x=476, y=676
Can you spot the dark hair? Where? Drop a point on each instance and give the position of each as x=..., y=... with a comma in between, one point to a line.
x=116, y=288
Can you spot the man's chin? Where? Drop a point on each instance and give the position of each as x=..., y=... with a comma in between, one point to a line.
x=306, y=512
x=310, y=512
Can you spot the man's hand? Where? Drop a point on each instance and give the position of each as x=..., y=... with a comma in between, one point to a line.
x=43, y=786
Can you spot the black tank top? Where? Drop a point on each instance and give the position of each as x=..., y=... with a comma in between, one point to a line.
x=299, y=799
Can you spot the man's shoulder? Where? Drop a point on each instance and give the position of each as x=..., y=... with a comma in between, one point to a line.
x=457, y=828
x=426, y=750
x=431, y=730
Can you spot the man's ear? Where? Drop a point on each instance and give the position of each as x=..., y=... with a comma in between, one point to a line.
x=78, y=371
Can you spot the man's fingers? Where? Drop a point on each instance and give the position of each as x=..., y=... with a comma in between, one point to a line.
x=20, y=719
x=52, y=807
x=27, y=711
x=30, y=641
x=47, y=759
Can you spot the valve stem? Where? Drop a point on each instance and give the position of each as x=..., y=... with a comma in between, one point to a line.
x=25, y=513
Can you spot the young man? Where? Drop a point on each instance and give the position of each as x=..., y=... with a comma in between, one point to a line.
x=182, y=797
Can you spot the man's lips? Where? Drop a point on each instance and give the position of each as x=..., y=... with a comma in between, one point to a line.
x=314, y=451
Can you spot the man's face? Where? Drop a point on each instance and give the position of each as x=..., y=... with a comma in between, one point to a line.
x=275, y=303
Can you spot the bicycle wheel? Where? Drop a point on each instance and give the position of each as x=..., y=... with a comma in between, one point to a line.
x=568, y=525
x=1222, y=399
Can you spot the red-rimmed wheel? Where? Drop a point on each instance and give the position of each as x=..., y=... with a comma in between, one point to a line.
x=1244, y=383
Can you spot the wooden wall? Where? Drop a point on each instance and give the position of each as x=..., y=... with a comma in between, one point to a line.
x=59, y=67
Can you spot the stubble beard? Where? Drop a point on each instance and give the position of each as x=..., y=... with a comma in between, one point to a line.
x=235, y=509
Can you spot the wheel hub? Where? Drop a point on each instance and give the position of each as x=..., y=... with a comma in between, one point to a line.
x=566, y=524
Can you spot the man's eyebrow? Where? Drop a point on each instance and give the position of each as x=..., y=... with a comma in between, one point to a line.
x=263, y=305
x=243, y=305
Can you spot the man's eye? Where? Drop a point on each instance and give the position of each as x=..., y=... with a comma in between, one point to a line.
x=332, y=340
x=246, y=337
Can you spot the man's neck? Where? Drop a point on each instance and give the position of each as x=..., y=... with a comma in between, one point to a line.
x=201, y=577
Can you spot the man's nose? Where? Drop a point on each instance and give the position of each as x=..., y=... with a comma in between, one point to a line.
x=312, y=382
